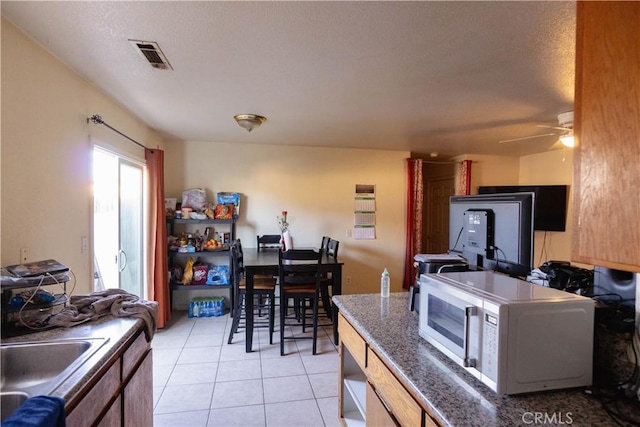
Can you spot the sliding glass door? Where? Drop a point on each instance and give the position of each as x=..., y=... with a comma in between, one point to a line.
x=130, y=253
x=118, y=222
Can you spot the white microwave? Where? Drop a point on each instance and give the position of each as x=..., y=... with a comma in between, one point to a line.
x=512, y=335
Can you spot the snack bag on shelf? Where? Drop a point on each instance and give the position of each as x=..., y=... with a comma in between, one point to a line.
x=195, y=198
x=187, y=276
x=227, y=198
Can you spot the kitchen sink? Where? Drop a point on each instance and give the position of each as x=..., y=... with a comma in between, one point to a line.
x=39, y=367
x=11, y=401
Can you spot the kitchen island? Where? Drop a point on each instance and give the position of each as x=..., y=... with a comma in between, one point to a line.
x=418, y=385
x=113, y=386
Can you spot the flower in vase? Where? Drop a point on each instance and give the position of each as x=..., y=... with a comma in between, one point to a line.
x=282, y=222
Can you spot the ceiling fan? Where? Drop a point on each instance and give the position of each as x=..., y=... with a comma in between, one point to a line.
x=565, y=121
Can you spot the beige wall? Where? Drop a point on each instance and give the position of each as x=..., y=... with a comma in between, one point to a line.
x=550, y=168
x=315, y=185
x=46, y=154
x=493, y=170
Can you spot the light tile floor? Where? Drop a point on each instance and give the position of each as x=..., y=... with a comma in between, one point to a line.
x=200, y=380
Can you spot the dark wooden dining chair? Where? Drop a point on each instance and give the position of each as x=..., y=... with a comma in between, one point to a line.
x=263, y=292
x=325, y=243
x=332, y=248
x=268, y=241
x=299, y=279
x=331, y=251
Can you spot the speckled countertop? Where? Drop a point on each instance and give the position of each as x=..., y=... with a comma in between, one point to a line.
x=113, y=332
x=454, y=397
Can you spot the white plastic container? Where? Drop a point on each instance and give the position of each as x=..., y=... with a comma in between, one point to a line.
x=385, y=284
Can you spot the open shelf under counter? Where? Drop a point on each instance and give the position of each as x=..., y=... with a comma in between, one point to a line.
x=354, y=398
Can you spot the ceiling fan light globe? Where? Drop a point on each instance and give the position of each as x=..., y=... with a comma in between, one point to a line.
x=568, y=141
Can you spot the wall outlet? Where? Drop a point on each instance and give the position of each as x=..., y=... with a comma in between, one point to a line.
x=348, y=280
x=24, y=255
x=84, y=245
x=349, y=233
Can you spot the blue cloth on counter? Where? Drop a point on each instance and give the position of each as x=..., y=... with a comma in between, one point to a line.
x=38, y=411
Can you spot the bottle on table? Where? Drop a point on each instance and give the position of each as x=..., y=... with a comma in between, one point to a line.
x=385, y=284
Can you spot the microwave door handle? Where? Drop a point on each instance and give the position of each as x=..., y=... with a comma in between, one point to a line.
x=468, y=362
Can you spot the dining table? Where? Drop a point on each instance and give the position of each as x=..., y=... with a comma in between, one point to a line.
x=265, y=261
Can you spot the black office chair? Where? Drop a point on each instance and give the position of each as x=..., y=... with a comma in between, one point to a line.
x=263, y=290
x=268, y=241
x=299, y=280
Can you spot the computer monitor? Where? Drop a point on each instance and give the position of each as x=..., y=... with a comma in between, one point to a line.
x=494, y=231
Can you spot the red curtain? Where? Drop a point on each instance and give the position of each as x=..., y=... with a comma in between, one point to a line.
x=415, y=202
x=464, y=181
x=158, y=289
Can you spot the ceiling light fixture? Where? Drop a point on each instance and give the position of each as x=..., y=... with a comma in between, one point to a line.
x=249, y=121
x=566, y=121
x=568, y=140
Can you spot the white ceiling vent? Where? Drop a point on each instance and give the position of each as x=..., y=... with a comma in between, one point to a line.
x=152, y=53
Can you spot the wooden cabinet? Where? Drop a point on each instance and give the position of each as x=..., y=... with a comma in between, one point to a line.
x=138, y=396
x=370, y=394
x=121, y=393
x=353, y=341
x=606, y=183
x=99, y=400
x=377, y=413
x=113, y=415
x=397, y=399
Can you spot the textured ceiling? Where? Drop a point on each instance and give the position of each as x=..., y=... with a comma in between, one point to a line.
x=448, y=77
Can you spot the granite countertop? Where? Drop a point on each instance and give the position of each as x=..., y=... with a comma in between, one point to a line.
x=115, y=331
x=454, y=397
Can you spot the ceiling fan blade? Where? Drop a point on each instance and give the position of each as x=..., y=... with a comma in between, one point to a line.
x=525, y=137
x=553, y=127
x=557, y=146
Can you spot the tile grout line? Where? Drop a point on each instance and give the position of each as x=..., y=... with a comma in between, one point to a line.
x=261, y=340
x=215, y=378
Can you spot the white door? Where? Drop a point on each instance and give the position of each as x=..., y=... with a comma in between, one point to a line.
x=118, y=222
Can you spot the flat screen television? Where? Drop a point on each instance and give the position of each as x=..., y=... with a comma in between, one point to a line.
x=494, y=231
x=550, y=204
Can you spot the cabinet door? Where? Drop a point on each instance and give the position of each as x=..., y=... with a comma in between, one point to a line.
x=96, y=399
x=377, y=413
x=401, y=404
x=134, y=354
x=113, y=417
x=138, y=396
x=606, y=183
